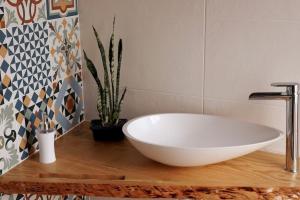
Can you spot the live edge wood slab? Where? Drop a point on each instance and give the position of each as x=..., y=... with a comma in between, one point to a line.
x=116, y=169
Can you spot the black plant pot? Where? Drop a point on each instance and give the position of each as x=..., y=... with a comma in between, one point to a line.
x=113, y=133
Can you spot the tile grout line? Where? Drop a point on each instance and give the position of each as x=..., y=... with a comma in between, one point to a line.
x=204, y=57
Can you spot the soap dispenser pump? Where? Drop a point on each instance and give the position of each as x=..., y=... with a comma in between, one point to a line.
x=46, y=136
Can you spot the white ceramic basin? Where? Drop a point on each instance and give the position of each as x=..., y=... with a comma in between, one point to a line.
x=193, y=140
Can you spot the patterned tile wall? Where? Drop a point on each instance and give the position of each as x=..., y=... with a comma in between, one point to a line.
x=40, y=71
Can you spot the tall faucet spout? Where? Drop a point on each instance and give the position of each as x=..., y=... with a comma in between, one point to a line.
x=269, y=96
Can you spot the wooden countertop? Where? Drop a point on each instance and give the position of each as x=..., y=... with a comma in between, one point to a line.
x=116, y=169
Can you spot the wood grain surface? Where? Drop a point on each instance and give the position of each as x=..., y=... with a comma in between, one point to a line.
x=116, y=169
x=153, y=191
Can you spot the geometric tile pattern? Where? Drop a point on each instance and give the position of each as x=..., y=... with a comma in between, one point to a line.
x=68, y=105
x=61, y=8
x=29, y=54
x=20, y=12
x=5, y=78
x=65, y=53
x=29, y=110
x=40, y=71
x=8, y=139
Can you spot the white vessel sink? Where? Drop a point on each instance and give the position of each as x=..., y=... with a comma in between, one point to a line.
x=193, y=140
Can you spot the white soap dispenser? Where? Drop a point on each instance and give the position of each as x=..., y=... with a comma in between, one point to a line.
x=46, y=136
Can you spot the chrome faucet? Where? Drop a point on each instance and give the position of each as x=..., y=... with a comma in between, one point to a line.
x=291, y=98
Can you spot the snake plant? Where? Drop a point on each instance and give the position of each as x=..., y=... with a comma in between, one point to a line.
x=109, y=100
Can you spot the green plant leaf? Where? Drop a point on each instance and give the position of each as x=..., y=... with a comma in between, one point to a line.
x=120, y=50
x=91, y=67
x=106, y=76
x=121, y=100
x=111, y=66
x=101, y=98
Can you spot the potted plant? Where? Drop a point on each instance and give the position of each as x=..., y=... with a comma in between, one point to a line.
x=109, y=100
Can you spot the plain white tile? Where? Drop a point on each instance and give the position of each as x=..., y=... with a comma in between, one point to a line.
x=253, y=9
x=163, y=41
x=140, y=102
x=246, y=56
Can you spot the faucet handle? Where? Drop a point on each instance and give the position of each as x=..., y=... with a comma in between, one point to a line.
x=291, y=86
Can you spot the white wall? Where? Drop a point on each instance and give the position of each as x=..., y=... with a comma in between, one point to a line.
x=199, y=55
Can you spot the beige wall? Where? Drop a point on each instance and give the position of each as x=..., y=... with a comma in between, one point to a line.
x=199, y=55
